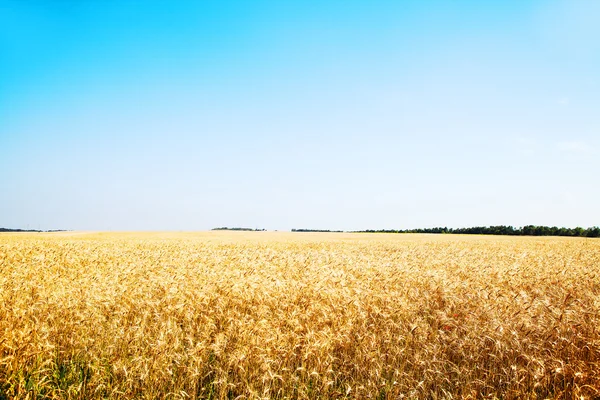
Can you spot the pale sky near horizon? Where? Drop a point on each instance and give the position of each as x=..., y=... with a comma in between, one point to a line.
x=188, y=115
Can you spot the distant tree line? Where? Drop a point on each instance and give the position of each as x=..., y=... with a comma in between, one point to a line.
x=17, y=230
x=527, y=230
x=29, y=230
x=314, y=230
x=224, y=228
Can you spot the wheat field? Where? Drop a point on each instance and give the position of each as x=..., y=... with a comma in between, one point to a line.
x=236, y=315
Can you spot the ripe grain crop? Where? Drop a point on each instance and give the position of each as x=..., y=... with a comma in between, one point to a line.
x=233, y=315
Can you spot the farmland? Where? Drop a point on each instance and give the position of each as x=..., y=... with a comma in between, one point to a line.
x=252, y=315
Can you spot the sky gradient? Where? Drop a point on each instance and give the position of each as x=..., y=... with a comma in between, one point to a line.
x=347, y=115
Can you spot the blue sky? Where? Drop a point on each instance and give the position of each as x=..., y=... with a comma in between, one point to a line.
x=156, y=115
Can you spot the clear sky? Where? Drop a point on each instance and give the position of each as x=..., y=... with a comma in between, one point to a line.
x=188, y=115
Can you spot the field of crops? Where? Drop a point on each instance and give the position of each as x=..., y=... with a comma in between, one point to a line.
x=225, y=315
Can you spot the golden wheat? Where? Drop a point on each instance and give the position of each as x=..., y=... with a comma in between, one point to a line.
x=273, y=315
